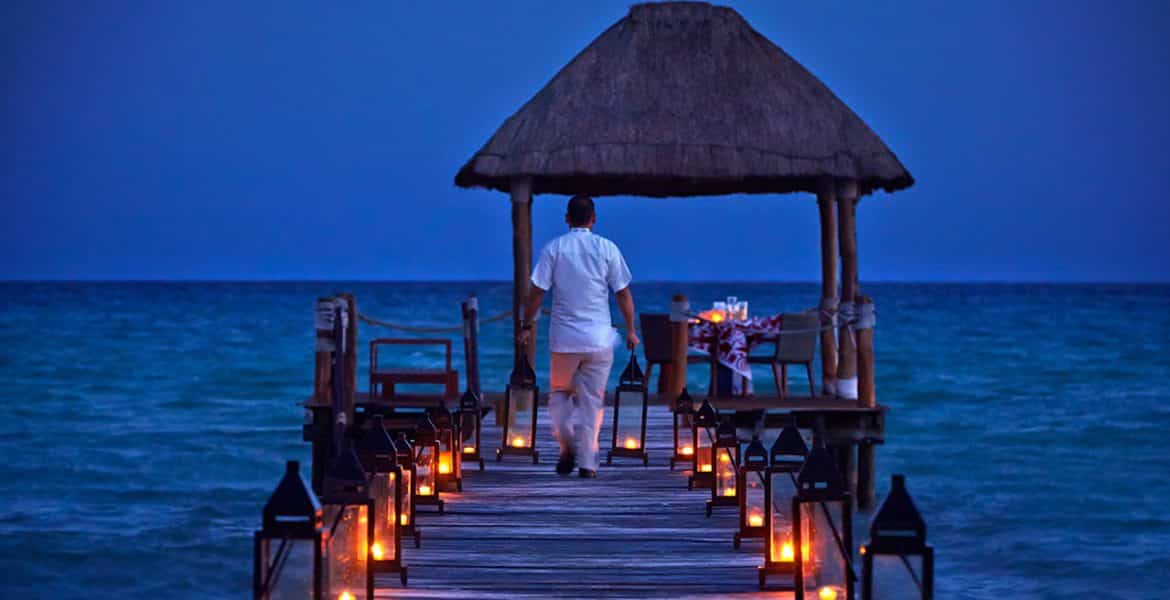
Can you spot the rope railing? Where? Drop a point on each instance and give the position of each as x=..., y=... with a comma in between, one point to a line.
x=423, y=329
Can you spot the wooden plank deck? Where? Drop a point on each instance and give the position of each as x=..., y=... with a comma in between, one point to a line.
x=518, y=530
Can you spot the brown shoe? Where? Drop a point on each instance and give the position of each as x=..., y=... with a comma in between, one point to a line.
x=587, y=473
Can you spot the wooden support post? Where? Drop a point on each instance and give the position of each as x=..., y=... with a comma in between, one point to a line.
x=865, y=471
x=847, y=192
x=826, y=201
x=521, y=189
x=679, y=321
x=323, y=355
x=351, y=355
x=471, y=343
x=866, y=397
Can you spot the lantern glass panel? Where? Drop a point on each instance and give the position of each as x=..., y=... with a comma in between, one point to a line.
x=386, y=527
x=469, y=429
x=781, y=539
x=520, y=434
x=424, y=470
x=348, y=550
x=295, y=580
x=447, y=453
x=703, y=450
x=725, y=471
x=891, y=579
x=407, y=506
x=826, y=569
x=686, y=443
x=628, y=419
x=753, y=499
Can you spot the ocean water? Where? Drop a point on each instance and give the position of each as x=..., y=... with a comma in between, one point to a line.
x=145, y=424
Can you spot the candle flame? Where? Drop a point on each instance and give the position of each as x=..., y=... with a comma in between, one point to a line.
x=787, y=554
x=469, y=449
x=705, y=468
x=404, y=519
x=755, y=520
x=729, y=491
x=631, y=444
x=424, y=490
x=688, y=451
x=827, y=593
x=518, y=441
x=346, y=596
x=376, y=551
x=444, y=467
x=724, y=458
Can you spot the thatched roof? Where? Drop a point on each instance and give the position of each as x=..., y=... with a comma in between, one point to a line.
x=683, y=99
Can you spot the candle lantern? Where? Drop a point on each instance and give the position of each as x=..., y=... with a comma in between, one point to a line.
x=406, y=468
x=470, y=428
x=349, y=518
x=822, y=497
x=629, y=415
x=426, y=464
x=292, y=518
x=450, y=465
x=703, y=434
x=520, y=403
x=896, y=534
x=749, y=488
x=727, y=459
x=785, y=459
x=684, y=442
x=379, y=458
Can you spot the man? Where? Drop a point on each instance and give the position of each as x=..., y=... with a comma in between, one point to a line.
x=581, y=268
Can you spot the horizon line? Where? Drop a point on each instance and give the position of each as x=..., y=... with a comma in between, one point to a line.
x=647, y=281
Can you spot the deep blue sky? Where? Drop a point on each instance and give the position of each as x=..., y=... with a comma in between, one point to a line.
x=315, y=140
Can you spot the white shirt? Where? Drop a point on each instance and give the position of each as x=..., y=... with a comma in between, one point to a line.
x=581, y=268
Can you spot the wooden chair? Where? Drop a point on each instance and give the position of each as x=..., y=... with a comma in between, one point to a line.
x=793, y=349
x=656, y=346
x=388, y=377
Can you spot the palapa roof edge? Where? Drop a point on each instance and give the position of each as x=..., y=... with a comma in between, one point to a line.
x=683, y=99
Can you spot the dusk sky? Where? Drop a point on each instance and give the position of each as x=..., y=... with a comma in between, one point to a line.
x=288, y=140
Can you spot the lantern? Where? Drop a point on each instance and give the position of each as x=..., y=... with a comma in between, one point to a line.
x=785, y=459
x=822, y=497
x=349, y=517
x=749, y=488
x=406, y=467
x=292, y=517
x=426, y=463
x=520, y=398
x=684, y=443
x=379, y=458
x=703, y=435
x=450, y=465
x=896, y=532
x=727, y=459
x=470, y=424
x=629, y=415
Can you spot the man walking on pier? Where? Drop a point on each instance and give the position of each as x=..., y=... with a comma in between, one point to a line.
x=581, y=268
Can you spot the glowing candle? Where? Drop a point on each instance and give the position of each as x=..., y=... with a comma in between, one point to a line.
x=786, y=552
x=827, y=593
x=424, y=490
x=444, y=466
x=724, y=458
x=404, y=519
x=688, y=451
x=631, y=443
x=518, y=441
x=729, y=492
x=705, y=468
x=469, y=449
x=756, y=520
x=346, y=596
x=376, y=551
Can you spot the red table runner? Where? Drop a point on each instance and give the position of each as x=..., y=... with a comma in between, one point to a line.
x=734, y=339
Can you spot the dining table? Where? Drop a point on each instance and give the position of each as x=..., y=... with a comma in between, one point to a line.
x=729, y=341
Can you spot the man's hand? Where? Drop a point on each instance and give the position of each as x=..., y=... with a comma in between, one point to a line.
x=632, y=340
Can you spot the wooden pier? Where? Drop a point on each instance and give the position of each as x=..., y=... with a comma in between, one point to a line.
x=518, y=530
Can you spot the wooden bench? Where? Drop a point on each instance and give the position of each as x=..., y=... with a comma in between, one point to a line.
x=383, y=379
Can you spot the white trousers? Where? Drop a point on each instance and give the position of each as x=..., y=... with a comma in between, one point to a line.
x=577, y=393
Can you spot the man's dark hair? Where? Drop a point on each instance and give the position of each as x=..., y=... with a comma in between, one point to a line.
x=580, y=210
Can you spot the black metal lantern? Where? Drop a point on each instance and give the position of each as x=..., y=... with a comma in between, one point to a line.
x=450, y=465
x=406, y=467
x=629, y=415
x=292, y=517
x=822, y=496
x=426, y=464
x=379, y=458
x=749, y=488
x=470, y=428
x=703, y=433
x=349, y=518
x=727, y=458
x=897, y=532
x=520, y=405
x=785, y=458
x=684, y=442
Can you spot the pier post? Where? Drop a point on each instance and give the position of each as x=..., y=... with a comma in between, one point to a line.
x=866, y=395
x=826, y=201
x=678, y=345
x=865, y=471
x=847, y=194
x=521, y=190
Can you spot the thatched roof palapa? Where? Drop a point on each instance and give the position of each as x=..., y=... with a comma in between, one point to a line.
x=683, y=99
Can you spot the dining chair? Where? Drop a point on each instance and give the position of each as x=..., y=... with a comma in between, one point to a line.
x=383, y=379
x=796, y=348
x=656, y=347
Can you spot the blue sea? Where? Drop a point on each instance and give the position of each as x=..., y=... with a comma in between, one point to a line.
x=145, y=424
